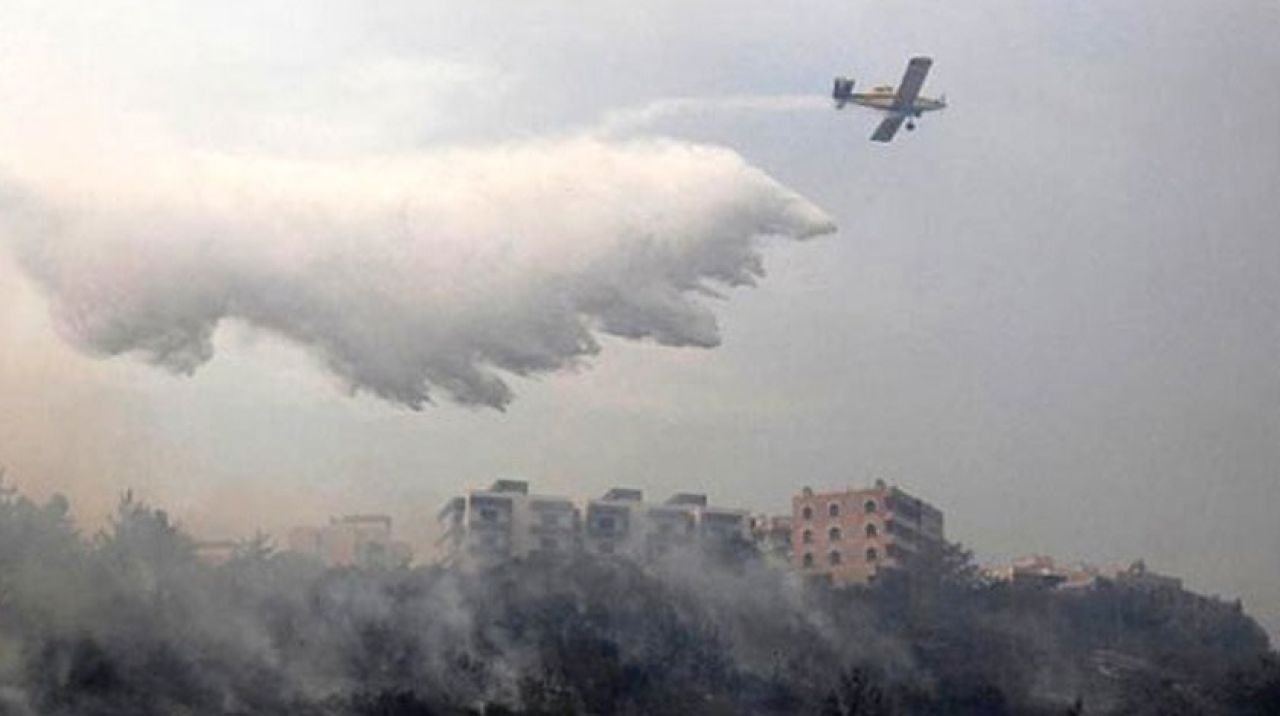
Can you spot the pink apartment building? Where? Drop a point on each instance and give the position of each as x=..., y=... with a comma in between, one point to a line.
x=852, y=535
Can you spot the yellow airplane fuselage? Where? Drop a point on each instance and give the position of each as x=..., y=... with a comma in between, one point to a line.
x=884, y=101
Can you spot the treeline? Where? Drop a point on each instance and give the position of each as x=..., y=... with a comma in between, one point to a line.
x=129, y=621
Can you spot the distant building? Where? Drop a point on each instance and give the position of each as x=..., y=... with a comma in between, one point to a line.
x=671, y=525
x=1037, y=570
x=216, y=552
x=1042, y=572
x=621, y=522
x=504, y=522
x=852, y=535
x=617, y=523
x=724, y=524
x=1138, y=576
x=773, y=537
x=352, y=541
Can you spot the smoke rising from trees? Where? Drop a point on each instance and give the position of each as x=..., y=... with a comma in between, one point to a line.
x=407, y=275
x=129, y=621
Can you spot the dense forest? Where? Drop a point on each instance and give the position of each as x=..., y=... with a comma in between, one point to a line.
x=129, y=621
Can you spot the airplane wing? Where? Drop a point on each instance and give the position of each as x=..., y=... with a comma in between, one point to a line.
x=912, y=81
x=888, y=128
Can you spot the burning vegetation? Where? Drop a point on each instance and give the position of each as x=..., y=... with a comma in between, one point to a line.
x=130, y=621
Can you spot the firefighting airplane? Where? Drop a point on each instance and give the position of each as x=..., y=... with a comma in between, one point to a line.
x=903, y=105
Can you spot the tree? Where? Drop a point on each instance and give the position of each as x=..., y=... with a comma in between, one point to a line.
x=860, y=693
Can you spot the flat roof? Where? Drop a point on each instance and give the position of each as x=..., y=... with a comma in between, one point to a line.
x=624, y=494
x=518, y=486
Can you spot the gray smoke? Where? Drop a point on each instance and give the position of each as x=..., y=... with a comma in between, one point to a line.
x=406, y=275
x=132, y=622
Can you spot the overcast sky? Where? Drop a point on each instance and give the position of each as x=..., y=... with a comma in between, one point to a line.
x=1052, y=310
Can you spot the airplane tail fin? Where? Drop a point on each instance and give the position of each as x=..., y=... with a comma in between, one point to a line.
x=842, y=90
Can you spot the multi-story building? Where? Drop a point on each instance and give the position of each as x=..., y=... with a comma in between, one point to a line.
x=773, y=537
x=615, y=523
x=724, y=525
x=352, y=541
x=852, y=535
x=669, y=526
x=621, y=522
x=505, y=522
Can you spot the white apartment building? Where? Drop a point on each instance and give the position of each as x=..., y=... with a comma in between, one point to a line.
x=505, y=522
x=352, y=541
x=621, y=522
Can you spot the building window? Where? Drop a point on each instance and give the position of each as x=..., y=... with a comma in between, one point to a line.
x=833, y=509
x=872, y=555
x=550, y=519
x=808, y=561
x=870, y=507
x=808, y=537
x=605, y=523
x=833, y=534
x=834, y=557
x=871, y=529
x=807, y=512
x=488, y=514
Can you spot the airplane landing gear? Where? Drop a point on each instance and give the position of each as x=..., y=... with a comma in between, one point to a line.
x=911, y=126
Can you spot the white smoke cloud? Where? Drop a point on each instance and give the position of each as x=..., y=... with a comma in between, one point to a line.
x=634, y=119
x=405, y=275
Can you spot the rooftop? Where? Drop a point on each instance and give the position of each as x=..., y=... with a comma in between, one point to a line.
x=624, y=494
x=516, y=486
x=688, y=498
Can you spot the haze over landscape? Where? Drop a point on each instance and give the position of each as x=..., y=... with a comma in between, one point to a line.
x=1051, y=310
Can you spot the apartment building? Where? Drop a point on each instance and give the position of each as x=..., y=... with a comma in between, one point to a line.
x=852, y=535
x=504, y=522
x=724, y=524
x=773, y=537
x=621, y=522
x=352, y=541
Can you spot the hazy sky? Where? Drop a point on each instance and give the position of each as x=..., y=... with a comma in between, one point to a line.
x=1052, y=310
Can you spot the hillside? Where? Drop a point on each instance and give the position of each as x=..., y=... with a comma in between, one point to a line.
x=130, y=622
